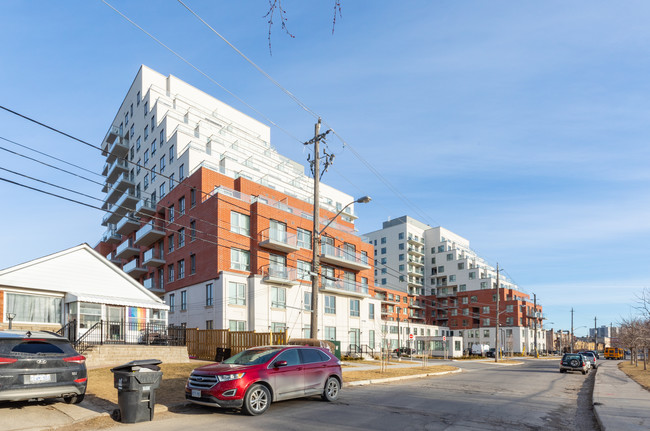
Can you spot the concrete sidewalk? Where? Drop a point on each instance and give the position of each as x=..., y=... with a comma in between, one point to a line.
x=619, y=402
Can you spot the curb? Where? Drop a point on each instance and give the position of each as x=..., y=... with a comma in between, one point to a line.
x=394, y=379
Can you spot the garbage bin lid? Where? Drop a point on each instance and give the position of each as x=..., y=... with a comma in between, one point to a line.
x=139, y=363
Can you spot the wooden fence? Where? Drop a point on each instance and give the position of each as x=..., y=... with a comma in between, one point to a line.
x=203, y=343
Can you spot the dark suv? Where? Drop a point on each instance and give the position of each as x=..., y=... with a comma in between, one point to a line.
x=39, y=365
x=574, y=362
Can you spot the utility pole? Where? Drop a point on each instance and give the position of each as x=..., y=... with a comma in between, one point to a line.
x=535, y=314
x=497, y=350
x=571, y=329
x=399, y=331
x=595, y=335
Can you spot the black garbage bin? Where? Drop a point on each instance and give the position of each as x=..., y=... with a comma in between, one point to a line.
x=136, y=383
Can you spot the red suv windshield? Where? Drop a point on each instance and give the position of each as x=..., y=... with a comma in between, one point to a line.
x=253, y=356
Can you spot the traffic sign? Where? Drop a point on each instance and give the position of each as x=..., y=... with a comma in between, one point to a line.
x=444, y=338
x=410, y=336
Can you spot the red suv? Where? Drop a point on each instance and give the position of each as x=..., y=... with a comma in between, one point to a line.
x=254, y=378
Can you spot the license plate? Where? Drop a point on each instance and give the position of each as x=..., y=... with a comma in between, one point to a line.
x=196, y=393
x=38, y=378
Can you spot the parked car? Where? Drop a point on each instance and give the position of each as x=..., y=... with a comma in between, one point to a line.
x=593, y=361
x=595, y=353
x=252, y=379
x=404, y=351
x=326, y=344
x=574, y=362
x=36, y=365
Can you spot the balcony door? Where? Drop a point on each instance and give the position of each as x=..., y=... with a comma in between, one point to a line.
x=278, y=231
x=278, y=265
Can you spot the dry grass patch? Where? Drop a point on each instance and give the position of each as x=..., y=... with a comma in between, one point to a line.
x=638, y=374
x=353, y=376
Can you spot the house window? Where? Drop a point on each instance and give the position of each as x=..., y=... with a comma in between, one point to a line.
x=170, y=273
x=465, y=311
x=239, y=259
x=239, y=223
x=237, y=325
x=181, y=237
x=307, y=301
x=209, y=298
x=452, y=277
x=371, y=311
x=236, y=293
x=278, y=327
x=509, y=320
x=354, y=308
x=139, y=166
x=278, y=297
x=462, y=287
x=330, y=304
x=184, y=300
x=34, y=308
x=172, y=302
x=181, y=205
x=486, y=322
x=181, y=268
x=192, y=230
x=509, y=308
x=209, y=324
x=304, y=239
x=441, y=269
x=465, y=300
x=330, y=332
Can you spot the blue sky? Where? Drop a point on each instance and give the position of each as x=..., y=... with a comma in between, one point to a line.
x=520, y=126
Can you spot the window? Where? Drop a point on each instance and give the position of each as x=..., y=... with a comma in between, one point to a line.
x=171, y=182
x=146, y=132
x=401, y=246
x=209, y=324
x=383, y=250
x=465, y=300
x=181, y=172
x=486, y=322
x=181, y=237
x=281, y=327
x=401, y=257
x=171, y=153
x=461, y=265
x=384, y=270
x=400, y=235
x=354, y=308
x=462, y=287
x=162, y=137
x=474, y=298
x=401, y=267
x=153, y=147
x=472, y=275
x=192, y=198
x=239, y=259
x=137, y=99
x=330, y=332
x=192, y=230
x=184, y=300
x=192, y=264
x=237, y=325
x=146, y=157
x=483, y=284
x=209, y=298
x=153, y=173
x=465, y=311
x=383, y=281
x=146, y=181
x=137, y=144
x=371, y=311
x=383, y=261
x=441, y=269
x=162, y=164
x=304, y=268
x=304, y=238
x=34, y=308
x=509, y=308
x=452, y=277
x=138, y=167
x=162, y=190
x=172, y=213
x=126, y=119
x=146, y=108
x=330, y=304
x=450, y=256
x=236, y=293
x=170, y=273
x=509, y=320
x=181, y=205
x=486, y=309
x=181, y=268
x=239, y=223
x=307, y=301
x=153, y=122
x=383, y=240
x=170, y=243
x=441, y=248
x=172, y=302
x=278, y=297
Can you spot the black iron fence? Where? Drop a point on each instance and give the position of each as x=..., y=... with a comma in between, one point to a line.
x=107, y=332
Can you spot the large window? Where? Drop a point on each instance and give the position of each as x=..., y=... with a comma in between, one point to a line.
x=236, y=293
x=239, y=223
x=278, y=297
x=184, y=300
x=209, y=298
x=304, y=268
x=371, y=311
x=237, y=325
x=32, y=308
x=354, y=307
x=307, y=301
x=330, y=304
x=304, y=238
x=330, y=332
x=240, y=259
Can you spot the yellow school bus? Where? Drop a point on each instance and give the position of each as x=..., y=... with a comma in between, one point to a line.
x=613, y=353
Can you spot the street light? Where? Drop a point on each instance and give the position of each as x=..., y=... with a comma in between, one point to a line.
x=315, y=261
x=11, y=317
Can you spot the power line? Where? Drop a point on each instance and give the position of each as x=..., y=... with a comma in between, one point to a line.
x=50, y=184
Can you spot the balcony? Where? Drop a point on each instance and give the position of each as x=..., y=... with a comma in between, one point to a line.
x=128, y=201
x=154, y=287
x=413, y=239
x=118, y=168
x=417, y=251
x=418, y=272
x=127, y=250
x=418, y=261
x=117, y=261
x=111, y=236
x=145, y=207
x=148, y=234
x=278, y=240
x=344, y=287
x=127, y=225
x=134, y=269
x=347, y=259
x=153, y=257
x=279, y=275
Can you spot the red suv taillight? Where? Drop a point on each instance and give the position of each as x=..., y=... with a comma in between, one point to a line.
x=4, y=361
x=80, y=359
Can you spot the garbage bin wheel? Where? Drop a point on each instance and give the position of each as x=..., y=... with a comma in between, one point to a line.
x=116, y=415
x=257, y=400
x=74, y=399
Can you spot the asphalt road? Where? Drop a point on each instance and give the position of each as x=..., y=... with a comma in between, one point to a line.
x=532, y=396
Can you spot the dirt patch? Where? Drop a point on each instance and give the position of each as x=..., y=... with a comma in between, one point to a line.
x=353, y=376
x=638, y=374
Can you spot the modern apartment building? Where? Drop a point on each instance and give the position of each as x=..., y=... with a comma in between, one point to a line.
x=202, y=210
x=449, y=285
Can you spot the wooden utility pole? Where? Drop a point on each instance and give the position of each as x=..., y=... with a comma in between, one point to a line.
x=535, y=314
x=497, y=350
x=571, y=329
x=595, y=335
x=315, y=264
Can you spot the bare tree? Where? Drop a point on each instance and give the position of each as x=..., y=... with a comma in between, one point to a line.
x=275, y=7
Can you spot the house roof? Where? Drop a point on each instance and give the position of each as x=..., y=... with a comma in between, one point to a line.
x=82, y=273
